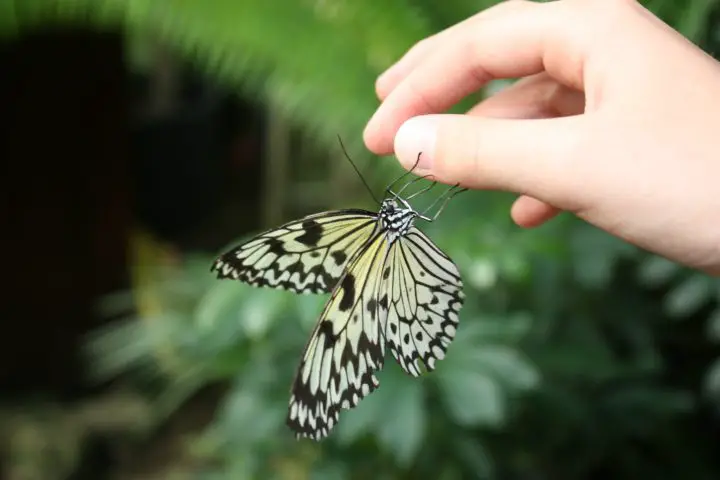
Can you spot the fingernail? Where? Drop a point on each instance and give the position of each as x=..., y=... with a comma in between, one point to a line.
x=416, y=136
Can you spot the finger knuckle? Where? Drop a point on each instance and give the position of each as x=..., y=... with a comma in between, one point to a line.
x=420, y=46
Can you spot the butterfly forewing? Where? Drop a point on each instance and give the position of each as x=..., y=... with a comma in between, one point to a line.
x=345, y=349
x=304, y=256
x=424, y=296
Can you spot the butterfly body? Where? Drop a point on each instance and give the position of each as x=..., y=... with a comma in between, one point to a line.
x=396, y=220
x=391, y=287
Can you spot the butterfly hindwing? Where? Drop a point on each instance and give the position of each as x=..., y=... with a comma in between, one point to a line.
x=345, y=349
x=424, y=296
x=308, y=255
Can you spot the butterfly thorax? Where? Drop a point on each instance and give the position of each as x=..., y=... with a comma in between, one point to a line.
x=395, y=219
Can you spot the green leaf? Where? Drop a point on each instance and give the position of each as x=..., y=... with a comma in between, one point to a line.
x=640, y=408
x=655, y=271
x=595, y=253
x=479, y=365
x=355, y=423
x=402, y=423
x=333, y=470
x=711, y=382
x=472, y=398
x=395, y=413
x=693, y=19
x=309, y=308
x=475, y=455
x=713, y=325
x=689, y=296
x=492, y=329
x=260, y=310
x=221, y=301
x=506, y=364
x=482, y=274
x=247, y=417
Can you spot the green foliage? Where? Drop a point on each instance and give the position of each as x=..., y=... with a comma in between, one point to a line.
x=553, y=369
x=558, y=369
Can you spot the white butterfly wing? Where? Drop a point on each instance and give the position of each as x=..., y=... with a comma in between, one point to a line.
x=308, y=255
x=424, y=296
x=345, y=349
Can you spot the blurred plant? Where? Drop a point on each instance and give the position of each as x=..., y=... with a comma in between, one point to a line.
x=45, y=440
x=208, y=331
x=559, y=368
x=546, y=378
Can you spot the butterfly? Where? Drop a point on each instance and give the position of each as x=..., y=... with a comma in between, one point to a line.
x=390, y=287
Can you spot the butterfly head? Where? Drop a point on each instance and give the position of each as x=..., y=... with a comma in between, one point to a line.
x=397, y=218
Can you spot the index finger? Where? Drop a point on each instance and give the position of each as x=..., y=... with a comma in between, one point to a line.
x=388, y=80
x=524, y=40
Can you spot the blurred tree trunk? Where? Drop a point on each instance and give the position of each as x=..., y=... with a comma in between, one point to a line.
x=65, y=215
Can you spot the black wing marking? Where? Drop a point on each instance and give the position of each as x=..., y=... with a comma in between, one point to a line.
x=308, y=255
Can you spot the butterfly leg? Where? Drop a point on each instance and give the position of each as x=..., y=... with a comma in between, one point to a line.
x=445, y=198
x=411, y=182
x=435, y=202
x=424, y=190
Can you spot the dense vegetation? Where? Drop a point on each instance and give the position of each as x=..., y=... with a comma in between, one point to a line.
x=578, y=356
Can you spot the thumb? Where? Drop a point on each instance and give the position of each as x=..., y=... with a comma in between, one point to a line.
x=538, y=158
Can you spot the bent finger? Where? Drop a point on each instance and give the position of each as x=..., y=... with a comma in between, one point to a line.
x=529, y=212
x=393, y=75
x=537, y=96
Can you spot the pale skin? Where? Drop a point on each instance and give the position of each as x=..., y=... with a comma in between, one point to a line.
x=615, y=119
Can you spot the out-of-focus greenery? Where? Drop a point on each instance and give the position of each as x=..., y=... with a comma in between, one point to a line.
x=558, y=370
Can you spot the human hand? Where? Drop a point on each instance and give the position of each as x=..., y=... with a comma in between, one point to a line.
x=615, y=121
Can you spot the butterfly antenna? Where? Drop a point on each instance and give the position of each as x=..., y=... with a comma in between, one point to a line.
x=358, y=171
x=445, y=197
x=389, y=187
